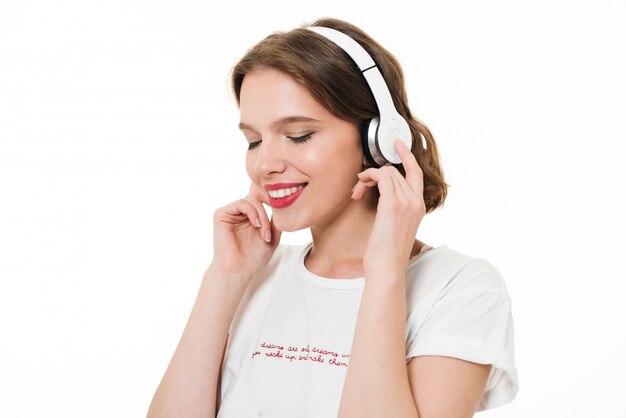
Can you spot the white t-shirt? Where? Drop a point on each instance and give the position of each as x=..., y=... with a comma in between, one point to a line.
x=290, y=339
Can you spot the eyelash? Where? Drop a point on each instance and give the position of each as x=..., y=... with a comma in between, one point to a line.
x=297, y=140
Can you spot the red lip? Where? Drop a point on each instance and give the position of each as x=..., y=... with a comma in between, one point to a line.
x=287, y=200
x=278, y=186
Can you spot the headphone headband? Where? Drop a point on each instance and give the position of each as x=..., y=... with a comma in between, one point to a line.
x=379, y=135
x=367, y=66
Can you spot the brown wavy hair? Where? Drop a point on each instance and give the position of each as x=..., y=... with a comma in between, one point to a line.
x=331, y=76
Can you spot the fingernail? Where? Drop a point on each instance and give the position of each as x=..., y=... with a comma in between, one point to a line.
x=258, y=223
x=268, y=237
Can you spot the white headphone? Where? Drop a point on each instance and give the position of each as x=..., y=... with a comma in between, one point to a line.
x=380, y=133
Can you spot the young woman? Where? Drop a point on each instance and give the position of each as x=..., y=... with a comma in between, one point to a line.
x=365, y=320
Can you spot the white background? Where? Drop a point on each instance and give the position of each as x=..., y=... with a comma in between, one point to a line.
x=118, y=141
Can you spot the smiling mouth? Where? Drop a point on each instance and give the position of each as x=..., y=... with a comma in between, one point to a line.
x=282, y=193
x=279, y=202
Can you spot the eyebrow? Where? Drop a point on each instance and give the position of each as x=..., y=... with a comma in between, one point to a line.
x=282, y=121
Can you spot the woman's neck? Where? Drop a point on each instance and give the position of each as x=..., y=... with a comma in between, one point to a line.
x=340, y=243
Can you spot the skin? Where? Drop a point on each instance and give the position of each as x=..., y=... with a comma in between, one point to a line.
x=330, y=162
x=354, y=235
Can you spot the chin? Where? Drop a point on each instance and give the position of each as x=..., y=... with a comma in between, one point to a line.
x=287, y=225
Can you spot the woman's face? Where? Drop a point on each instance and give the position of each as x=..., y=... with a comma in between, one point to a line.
x=275, y=112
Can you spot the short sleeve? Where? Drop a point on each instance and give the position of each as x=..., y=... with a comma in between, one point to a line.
x=472, y=320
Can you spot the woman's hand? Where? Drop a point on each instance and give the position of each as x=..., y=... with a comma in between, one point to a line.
x=400, y=210
x=239, y=239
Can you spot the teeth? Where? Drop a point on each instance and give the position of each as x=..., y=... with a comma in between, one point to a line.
x=279, y=194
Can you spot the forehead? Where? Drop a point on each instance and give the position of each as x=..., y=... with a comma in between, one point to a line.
x=270, y=96
x=278, y=123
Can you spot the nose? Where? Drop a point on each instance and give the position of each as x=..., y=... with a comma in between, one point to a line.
x=270, y=157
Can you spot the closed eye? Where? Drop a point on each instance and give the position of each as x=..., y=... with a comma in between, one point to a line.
x=253, y=145
x=303, y=138
x=297, y=140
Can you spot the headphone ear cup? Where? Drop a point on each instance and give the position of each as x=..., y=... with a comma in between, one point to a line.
x=390, y=130
x=369, y=132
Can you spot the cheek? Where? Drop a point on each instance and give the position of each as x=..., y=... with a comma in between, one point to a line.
x=338, y=169
x=252, y=175
x=341, y=152
x=314, y=155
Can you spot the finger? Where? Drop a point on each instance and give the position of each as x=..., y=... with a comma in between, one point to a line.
x=402, y=188
x=265, y=226
x=275, y=233
x=414, y=174
x=359, y=193
x=361, y=188
x=415, y=200
x=365, y=177
x=239, y=211
x=257, y=193
x=256, y=200
x=363, y=184
x=368, y=179
x=378, y=176
x=368, y=172
x=399, y=199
